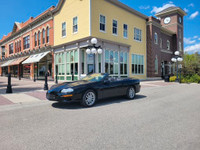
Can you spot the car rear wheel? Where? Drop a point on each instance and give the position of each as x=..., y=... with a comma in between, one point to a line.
x=89, y=98
x=130, y=93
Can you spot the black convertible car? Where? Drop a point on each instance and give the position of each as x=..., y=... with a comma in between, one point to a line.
x=92, y=88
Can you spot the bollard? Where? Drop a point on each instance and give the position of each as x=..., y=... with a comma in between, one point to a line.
x=34, y=79
x=9, y=87
x=19, y=77
x=46, y=84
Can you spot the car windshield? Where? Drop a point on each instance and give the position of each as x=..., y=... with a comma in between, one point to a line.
x=94, y=77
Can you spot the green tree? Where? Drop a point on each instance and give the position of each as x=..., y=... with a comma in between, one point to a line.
x=191, y=64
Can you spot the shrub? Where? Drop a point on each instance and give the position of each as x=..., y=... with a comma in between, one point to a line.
x=191, y=79
x=172, y=79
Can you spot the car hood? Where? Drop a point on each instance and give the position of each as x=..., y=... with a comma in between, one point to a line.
x=65, y=85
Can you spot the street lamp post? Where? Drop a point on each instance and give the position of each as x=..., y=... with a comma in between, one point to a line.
x=176, y=60
x=93, y=49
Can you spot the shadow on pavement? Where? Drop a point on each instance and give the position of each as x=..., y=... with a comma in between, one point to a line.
x=22, y=90
x=76, y=105
x=5, y=85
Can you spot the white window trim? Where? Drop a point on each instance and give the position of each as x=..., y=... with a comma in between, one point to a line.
x=123, y=31
x=134, y=35
x=65, y=30
x=73, y=25
x=113, y=27
x=100, y=23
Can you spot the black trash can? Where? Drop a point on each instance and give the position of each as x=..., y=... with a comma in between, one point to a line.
x=167, y=78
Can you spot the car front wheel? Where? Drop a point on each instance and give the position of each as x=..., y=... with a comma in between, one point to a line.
x=130, y=93
x=89, y=98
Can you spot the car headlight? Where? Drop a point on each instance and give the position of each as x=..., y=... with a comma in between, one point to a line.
x=69, y=90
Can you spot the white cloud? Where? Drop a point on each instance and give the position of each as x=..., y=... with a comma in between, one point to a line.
x=144, y=7
x=193, y=48
x=189, y=41
x=191, y=5
x=195, y=37
x=158, y=9
x=186, y=10
x=192, y=16
x=199, y=39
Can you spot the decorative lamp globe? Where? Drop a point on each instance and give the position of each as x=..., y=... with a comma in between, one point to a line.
x=100, y=51
x=88, y=51
x=177, y=53
x=94, y=51
x=180, y=59
x=94, y=41
x=173, y=59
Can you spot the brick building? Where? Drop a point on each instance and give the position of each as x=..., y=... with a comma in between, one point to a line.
x=164, y=37
x=26, y=51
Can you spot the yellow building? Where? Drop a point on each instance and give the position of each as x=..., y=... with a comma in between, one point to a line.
x=120, y=48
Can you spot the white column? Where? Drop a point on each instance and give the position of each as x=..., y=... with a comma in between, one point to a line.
x=79, y=63
x=85, y=63
x=103, y=61
x=119, y=61
x=128, y=63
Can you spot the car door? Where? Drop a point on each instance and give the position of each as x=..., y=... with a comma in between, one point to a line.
x=110, y=89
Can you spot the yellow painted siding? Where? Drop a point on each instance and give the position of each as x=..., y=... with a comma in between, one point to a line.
x=111, y=12
x=69, y=10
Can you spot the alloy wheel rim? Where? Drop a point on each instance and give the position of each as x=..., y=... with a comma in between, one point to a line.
x=131, y=93
x=90, y=98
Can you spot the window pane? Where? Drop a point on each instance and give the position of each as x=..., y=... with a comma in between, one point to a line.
x=121, y=57
x=116, y=57
x=68, y=68
x=111, y=56
x=68, y=57
x=76, y=56
x=107, y=56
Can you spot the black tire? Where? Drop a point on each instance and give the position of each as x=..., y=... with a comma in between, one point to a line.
x=130, y=94
x=89, y=98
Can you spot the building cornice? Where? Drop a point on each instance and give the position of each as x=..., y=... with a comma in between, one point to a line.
x=29, y=26
x=88, y=39
x=175, y=10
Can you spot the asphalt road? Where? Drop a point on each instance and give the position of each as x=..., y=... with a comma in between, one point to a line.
x=160, y=118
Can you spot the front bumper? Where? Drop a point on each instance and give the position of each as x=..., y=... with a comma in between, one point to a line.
x=63, y=98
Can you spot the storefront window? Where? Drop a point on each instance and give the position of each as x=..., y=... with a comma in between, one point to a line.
x=137, y=64
x=60, y=62
x=116, y=63
x=72, y=65
x=26, y=71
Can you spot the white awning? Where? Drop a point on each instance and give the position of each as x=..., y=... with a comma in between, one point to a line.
x=7, y=63
x=35, y=58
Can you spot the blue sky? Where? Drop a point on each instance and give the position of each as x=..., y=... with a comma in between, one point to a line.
x=21, y=10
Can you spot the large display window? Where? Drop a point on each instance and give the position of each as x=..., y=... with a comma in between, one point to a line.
x=112, y=63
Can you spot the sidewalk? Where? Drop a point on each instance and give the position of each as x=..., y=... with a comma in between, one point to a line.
x=24, y=91
x=27, y=91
